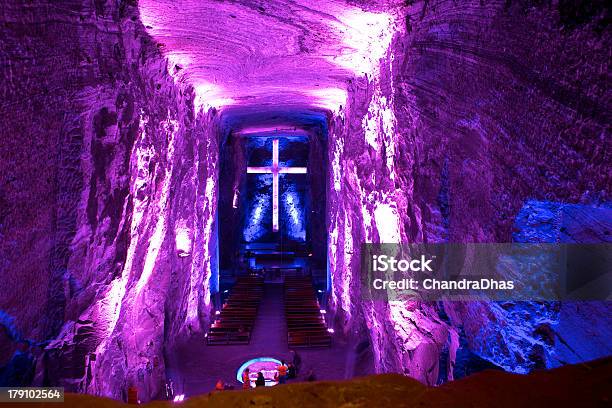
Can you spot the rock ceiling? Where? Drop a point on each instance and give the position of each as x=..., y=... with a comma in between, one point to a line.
x=270, y=54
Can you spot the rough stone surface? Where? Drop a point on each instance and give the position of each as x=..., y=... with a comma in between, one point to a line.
x=273, y=53
x=446, y=121
x=475, y=109
x=108, y=172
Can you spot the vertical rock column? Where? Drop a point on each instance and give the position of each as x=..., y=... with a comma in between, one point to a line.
x=448, y=141
x=370, y=192
x=127, y=196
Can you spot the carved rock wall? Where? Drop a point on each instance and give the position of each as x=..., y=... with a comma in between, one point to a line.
x=476, y=109
x=109, y=196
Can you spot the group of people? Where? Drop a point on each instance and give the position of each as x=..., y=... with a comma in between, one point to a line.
x=284, y=371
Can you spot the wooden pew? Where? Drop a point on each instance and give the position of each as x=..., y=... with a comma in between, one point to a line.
x=234, y=323
x=305, y=323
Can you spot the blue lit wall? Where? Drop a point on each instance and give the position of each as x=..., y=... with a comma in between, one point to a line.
x=292, y=204
x=532, y=335
x=258, y=222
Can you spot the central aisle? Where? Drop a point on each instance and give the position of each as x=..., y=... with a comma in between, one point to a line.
x=200, y=365
x=270, y=330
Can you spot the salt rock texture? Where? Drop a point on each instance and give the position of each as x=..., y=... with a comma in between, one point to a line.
x=522, y=336
x=585, y=385
x=475, y=109
x=271, y=53
x=444, y=120
x=107, y=176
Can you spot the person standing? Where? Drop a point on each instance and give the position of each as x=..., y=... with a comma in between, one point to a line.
x=261, y=381
x=291, y=373
x=246, y=380
x=297, y=360
x=282, y=373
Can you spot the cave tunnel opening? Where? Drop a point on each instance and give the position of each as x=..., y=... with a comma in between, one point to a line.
x=187, y=186
x=272, y=286
x=272, y=197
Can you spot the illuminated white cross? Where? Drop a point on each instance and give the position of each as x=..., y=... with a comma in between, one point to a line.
x=275, y=170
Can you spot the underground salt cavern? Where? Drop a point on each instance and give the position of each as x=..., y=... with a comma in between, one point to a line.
x=190, y=188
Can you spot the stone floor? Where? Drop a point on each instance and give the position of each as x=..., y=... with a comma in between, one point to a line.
x=200, y=365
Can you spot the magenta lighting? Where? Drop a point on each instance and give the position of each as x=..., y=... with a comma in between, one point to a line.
x=350, y=187
x=275, y=170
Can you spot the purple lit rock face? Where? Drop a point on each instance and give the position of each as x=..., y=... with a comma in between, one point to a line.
x=446, y=143
x=273, y=53
x=108, y=173
x=446, y=122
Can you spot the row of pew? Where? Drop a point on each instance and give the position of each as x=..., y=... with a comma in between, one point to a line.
x=305, y=324
x=233, y=324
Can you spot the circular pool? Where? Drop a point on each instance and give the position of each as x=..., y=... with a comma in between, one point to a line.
x=267, y=365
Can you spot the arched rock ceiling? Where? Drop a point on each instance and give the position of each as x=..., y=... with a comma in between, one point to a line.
x=262, y=55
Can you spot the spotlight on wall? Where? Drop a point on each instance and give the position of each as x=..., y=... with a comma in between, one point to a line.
x=330, y=330
x=179, y=398
x=182, y=254
x=235, y=200
x=320, y=291
x=323, y=311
